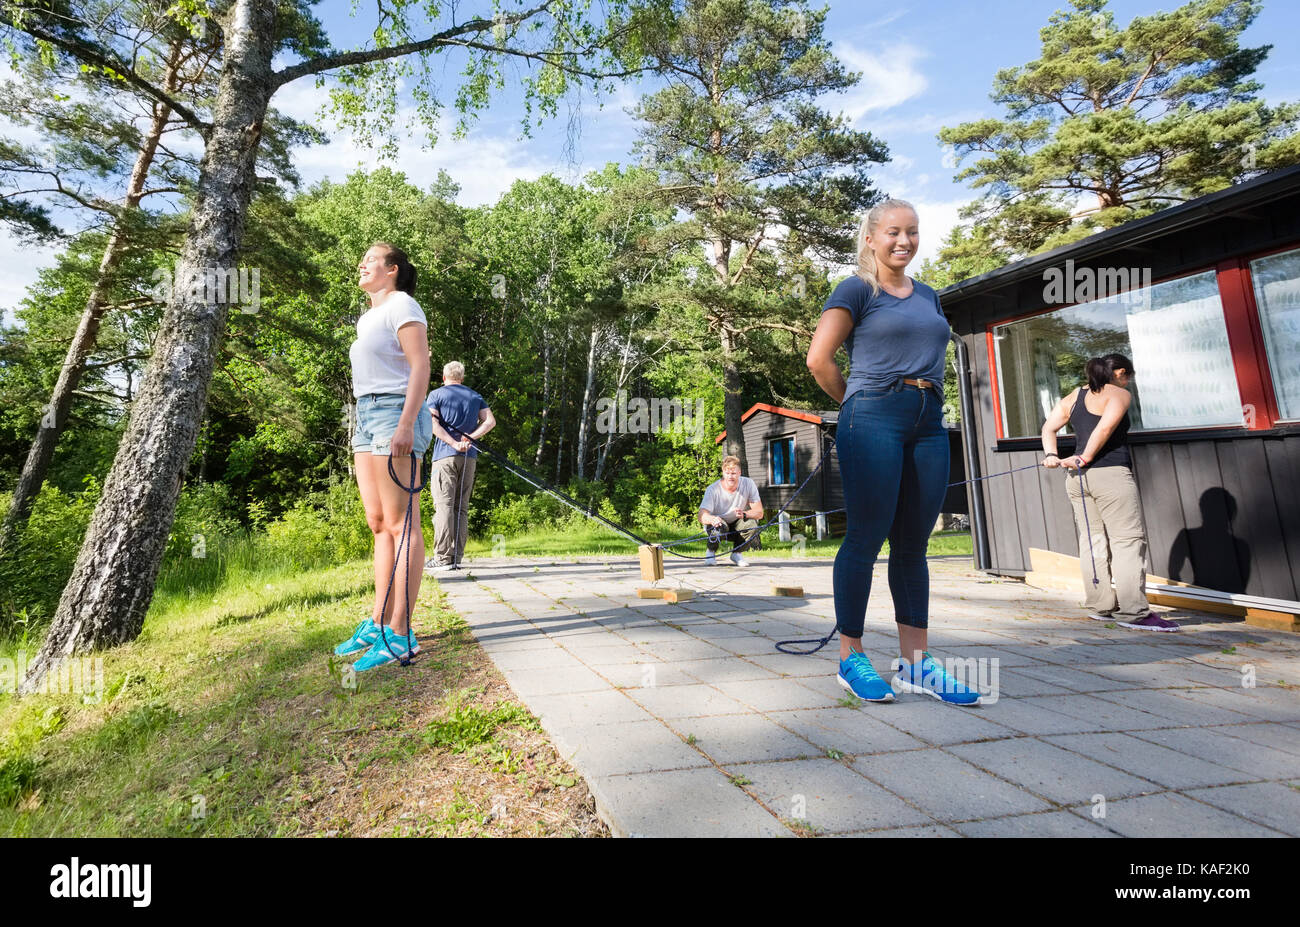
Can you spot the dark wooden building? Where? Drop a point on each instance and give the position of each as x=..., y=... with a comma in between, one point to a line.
x=784, y=446
x=1205, y=299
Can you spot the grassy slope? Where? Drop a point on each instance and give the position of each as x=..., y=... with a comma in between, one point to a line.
x=234, y=697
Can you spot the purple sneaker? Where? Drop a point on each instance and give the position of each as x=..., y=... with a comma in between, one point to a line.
x=1152, y=622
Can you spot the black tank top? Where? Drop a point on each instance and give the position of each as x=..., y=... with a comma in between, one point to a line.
x=1114, y=453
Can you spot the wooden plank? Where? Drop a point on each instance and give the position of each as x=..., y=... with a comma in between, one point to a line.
x=1205, y=509
x=1273, y=621
x=668, y=595
x=787, y=590
x=651, y=557
x=1030, y=509
x=1162, y=510
x=1284, y=467
x=1058, y=514
x=1256, y=531
x=982, y=387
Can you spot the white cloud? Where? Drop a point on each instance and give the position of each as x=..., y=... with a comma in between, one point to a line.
x=889, y=77
x=938, y=218
x=484, y=165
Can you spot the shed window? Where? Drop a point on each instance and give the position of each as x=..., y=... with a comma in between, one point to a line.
x=1277, y=294
x=781, y=453
x=1174, y=332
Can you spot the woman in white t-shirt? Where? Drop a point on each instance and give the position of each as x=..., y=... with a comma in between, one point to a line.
x=390, y=378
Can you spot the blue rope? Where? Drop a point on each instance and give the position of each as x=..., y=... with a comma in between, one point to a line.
x=784, y=646
x=412, y=492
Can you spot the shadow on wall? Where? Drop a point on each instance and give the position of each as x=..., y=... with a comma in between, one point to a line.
x=1211, y=555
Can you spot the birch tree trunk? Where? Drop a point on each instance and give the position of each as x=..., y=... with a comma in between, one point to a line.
x=584, y=414
x=622, y=379
x=546, y=397
x=37, y=465
x=112, y=583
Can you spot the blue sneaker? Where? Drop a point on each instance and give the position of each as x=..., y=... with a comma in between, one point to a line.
x=860, y=677
x=363, y=638
x=930, y=678
x=389, y=649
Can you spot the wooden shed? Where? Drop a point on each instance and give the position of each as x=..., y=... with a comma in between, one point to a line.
x=783, y=446
x=1204, y=298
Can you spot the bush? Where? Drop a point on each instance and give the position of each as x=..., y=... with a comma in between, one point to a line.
x=321, y=528
x=34, y=572
x=514, y=515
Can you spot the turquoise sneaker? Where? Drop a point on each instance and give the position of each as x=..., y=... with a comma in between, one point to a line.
x=931, y=679
x=389, y=649
x=860, y=677
x=363, y=638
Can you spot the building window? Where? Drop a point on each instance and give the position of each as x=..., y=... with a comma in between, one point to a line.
x=1174, y=332
x=1276, y=280
x=781, y=453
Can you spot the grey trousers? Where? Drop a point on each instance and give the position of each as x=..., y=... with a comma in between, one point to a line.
x=451, y=483
x=1118, y=539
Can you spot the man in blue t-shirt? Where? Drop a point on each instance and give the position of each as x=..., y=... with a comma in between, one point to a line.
x=460, y=417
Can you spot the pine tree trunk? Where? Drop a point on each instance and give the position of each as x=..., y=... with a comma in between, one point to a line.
x=732, y=401
x=41, y=453
x=112, y=583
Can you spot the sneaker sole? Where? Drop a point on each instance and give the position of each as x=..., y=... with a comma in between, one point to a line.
x=1145, y=627
x=889, y=697
x=900, y=685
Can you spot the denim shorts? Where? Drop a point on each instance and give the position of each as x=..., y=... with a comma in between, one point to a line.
x=377, y=418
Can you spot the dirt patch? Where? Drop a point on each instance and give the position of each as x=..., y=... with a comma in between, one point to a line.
x=455, y=753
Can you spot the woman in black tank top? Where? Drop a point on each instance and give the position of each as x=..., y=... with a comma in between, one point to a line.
x=1103, y=493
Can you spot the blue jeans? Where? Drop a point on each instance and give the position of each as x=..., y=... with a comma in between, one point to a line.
x=893, y=453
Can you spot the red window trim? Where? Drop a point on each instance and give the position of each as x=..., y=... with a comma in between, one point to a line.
x=1245, y=342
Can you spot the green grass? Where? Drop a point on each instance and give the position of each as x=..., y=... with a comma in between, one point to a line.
x=591, y=539
x=226, y=703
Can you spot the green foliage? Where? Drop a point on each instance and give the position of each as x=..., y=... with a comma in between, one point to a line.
x=1110, y=124
x=468, y=726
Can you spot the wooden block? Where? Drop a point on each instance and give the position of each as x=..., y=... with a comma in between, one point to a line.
x=668, y=595
x=652, y=562
x=1200, y=605
x=787, y=590
x=1273, y=621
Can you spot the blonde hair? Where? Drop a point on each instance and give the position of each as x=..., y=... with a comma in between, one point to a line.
x=729, y=460
x=453, y=370
x=866, y=259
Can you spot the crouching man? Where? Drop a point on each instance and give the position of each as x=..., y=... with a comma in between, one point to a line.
x=731, y=510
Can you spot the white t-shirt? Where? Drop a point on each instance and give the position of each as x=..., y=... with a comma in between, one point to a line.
x=378, y=363
x=717, y=501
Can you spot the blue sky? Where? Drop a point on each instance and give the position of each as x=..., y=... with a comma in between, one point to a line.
x=923, y=66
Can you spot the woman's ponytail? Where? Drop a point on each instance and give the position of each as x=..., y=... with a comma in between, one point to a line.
x=1101, y=370
x=396, y=257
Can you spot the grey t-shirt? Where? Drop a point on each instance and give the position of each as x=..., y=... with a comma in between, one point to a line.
x=891, y=337
x=717, y=501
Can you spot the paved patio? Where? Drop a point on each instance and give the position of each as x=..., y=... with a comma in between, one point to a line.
x=686, y=721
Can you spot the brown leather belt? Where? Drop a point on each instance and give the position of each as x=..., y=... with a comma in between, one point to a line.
x=922, y=384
